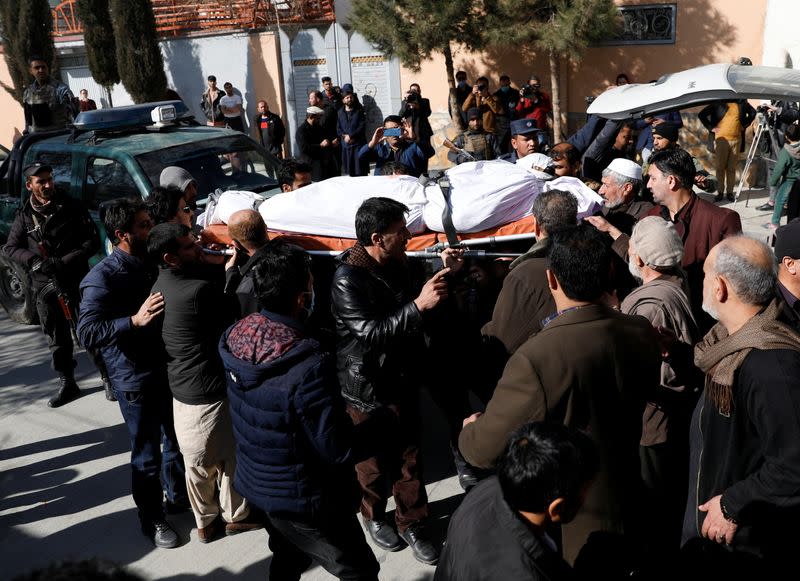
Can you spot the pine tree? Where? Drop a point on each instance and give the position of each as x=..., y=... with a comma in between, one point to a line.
x=139, y=60
x=27, y=28
x=562, y=29
x=412, y=30
x=98, y=37
x=9, y=20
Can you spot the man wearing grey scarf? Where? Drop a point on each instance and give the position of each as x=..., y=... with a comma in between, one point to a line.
x=744, y=489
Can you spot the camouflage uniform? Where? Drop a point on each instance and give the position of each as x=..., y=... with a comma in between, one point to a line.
x=48, y=106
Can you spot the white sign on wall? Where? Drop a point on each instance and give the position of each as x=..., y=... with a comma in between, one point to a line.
x=308, y=75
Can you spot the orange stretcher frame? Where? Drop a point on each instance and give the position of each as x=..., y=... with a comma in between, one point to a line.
x=218, y=234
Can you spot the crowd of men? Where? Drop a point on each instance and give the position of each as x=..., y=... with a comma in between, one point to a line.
x=639, y=371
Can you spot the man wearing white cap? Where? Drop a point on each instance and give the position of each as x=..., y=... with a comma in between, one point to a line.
x=315, y=148
x=622, y=180
x=654, y=256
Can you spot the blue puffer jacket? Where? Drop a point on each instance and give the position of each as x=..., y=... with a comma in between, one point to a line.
x=111, y=293
x=293, y=436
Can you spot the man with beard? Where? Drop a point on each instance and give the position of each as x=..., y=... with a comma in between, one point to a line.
x=745, y=451
x=622, y=180
x=700, y=224
x=665, y=136
x=119, y=316
x=54, y=237
x=195, y=315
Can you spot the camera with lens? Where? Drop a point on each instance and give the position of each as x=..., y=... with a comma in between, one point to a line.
x=590, y=99
x=411, y=97
x=481, y=87
x=530, y=92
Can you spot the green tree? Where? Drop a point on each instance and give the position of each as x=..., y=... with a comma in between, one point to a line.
x=98, y=37
x=9, y=21
x=561, y=29
x=139, y=60
x=27, y=31
x=412, y=30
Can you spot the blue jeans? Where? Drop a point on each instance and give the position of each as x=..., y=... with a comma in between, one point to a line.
x=148, y=415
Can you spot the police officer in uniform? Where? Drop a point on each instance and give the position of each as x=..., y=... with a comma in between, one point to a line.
x=524, y=140
x=477, y=144
x=54, y=236
x=48, y=103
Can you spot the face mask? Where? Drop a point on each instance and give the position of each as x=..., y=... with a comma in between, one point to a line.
x=462, y=84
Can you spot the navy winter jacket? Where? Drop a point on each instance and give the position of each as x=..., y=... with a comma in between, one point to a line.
x=111, y=293
x=294, y=439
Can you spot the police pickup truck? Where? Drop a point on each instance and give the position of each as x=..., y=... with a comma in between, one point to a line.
x=120, y=152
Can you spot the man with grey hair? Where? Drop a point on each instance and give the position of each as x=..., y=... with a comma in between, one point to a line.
x=622, y=181
x=654, y=257
x=745, y=434
x=525, y=299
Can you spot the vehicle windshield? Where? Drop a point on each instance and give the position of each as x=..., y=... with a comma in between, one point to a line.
x=226, y=163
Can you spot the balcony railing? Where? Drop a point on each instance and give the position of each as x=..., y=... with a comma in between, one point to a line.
x=176, y=17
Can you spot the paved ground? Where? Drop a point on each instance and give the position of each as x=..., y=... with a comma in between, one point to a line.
x=64, y=478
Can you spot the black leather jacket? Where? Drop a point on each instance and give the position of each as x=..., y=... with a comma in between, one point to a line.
x=379, y=334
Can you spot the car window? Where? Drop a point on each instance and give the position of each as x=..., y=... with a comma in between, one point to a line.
x=226, y=163
x=61, y=162
x=107, y=179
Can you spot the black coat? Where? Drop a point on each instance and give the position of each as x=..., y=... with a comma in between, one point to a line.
x=419, y=118
x=379, y=334
x=752, y=456
x=488, y=541
x=69, y=234
x=239, y=284
x=276, y=132
x=195, y=315
x=320, y=158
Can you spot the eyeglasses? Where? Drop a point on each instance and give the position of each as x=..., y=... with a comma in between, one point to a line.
x=186, y=209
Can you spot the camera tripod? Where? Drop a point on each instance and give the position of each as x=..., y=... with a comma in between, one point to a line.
x=763, y=127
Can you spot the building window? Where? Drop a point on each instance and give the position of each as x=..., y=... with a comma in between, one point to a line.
x=646, y=24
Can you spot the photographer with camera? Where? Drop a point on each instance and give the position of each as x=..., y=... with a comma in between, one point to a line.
x=417, y=110
x=486, y=103
x=534, y=103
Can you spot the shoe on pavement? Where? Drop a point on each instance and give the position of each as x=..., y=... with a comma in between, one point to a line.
x=242, y=526
x=209, y=532
x=767, y=207
x=108, y=389
x=68, y=391
x=423, y=549
x=730, y=197
x=719, y=197
x=771, y=226
x=383, y=535
x=161, y=533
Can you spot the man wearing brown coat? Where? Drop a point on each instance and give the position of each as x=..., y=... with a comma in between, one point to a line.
x=525, y=299
x=591, y=368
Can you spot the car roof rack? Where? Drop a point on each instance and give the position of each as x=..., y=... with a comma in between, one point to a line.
x=129, y=118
